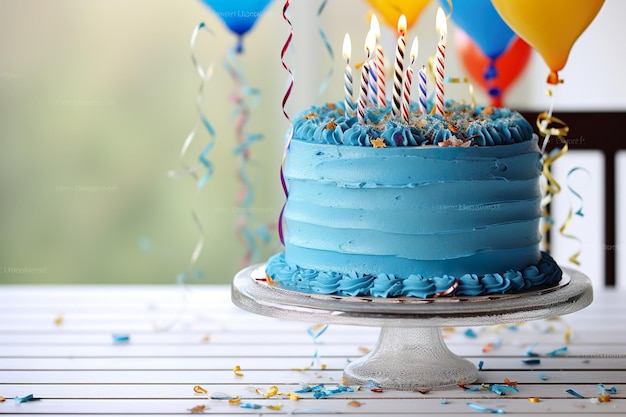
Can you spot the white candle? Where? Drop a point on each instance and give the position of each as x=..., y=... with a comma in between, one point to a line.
x=406, y=102
x=440, y=58
x=347, y=76
x=379, y=60
x=399, y=67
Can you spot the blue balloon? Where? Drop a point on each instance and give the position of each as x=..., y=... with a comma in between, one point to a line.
x=480, y=20
x=238, y=16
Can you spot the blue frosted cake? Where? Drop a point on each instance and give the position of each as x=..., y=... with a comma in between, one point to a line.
x=438, y=206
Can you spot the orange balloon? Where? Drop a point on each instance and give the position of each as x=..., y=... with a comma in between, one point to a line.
x=390, y=10
x=550, y=26
x=508, y=66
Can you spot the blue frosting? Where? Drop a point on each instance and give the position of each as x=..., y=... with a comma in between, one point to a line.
x=479, y=126
x=545, y=273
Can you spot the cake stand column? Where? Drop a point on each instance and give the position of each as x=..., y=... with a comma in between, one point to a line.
x=410, y=358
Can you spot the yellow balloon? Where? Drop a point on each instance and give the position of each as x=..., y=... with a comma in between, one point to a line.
x=550, y=26
x=390, y=10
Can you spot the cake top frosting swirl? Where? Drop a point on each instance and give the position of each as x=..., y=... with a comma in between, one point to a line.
x=462, y=125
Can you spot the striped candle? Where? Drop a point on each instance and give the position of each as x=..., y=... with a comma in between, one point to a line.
x=379, y=64
x=422, y=90
x=370, y=42
x=399, y=67
x=440, y=58
x=408, y=77
x=363, y=93
x=347, y=77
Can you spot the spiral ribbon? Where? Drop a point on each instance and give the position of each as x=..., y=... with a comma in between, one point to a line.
x=328, y=47
x=284, y=102
x=548, y=126
x=205, y=75
x=570, y=215
x=241, y=96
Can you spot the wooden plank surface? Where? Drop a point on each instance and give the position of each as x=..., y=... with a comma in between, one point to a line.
x=63, y=346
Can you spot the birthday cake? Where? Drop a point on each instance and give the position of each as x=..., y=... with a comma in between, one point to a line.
x=437, y=206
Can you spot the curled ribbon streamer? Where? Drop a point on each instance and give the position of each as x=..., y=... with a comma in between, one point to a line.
x=570, y=214
x=205, y=75
x=328, y=47
x=284, y=102
x=548, y=126
x=245, y=197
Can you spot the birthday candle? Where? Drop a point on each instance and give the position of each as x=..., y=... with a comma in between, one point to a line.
x=399, y=67
x=347, y=76
x=363, y=92
x=365, y=69
x=440, y=58
x=422, y=90
x=372, y=94
x=379, y=60
x=406, y=102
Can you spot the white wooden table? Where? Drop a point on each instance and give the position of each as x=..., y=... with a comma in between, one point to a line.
x=153, y=350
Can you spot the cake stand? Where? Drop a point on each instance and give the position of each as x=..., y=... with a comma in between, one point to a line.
x=410, y=353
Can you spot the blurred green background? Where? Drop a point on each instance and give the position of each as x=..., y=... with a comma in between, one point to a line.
x=96, y=100
x=98, y=96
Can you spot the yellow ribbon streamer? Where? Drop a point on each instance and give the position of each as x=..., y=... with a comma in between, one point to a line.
x=548, y=126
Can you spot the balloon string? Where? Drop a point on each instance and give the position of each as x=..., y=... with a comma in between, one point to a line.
x=205, y=75
x=245, y=197
x=329, y=49
x=290, y=130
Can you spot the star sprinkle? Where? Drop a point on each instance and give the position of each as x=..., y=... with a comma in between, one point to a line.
x=378, y=143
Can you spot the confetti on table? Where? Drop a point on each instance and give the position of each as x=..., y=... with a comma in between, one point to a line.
x=251, y=406
x=275, y=406
x=2, y=399
x=531, y=361
x=557, y=352
x=293, y=396
x=529, y=351
x=543, y=377
x=26, y=398
x=199, y=390
x=470, y=333
x=354, y=403
x=311, y=389
x=510, y=383
x=480, y=365
x=197, y=409
x=603, y=389
x=485, y=409
x=443, y=401
x=574, y=393
x=364, y=349
x=271, y=391
x=236, y=370
x=58, y=320
x=533, y=399
x=120, y=338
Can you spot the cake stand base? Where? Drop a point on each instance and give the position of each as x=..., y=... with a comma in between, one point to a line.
x=409, y=359
x=410, y=353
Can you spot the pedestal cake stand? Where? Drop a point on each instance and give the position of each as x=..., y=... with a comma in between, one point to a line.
x=410, y=353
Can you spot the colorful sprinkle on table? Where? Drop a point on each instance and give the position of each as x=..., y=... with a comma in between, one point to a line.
x=237, y=370
x=485, y=409
x=531, y=361
x=574, y=393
